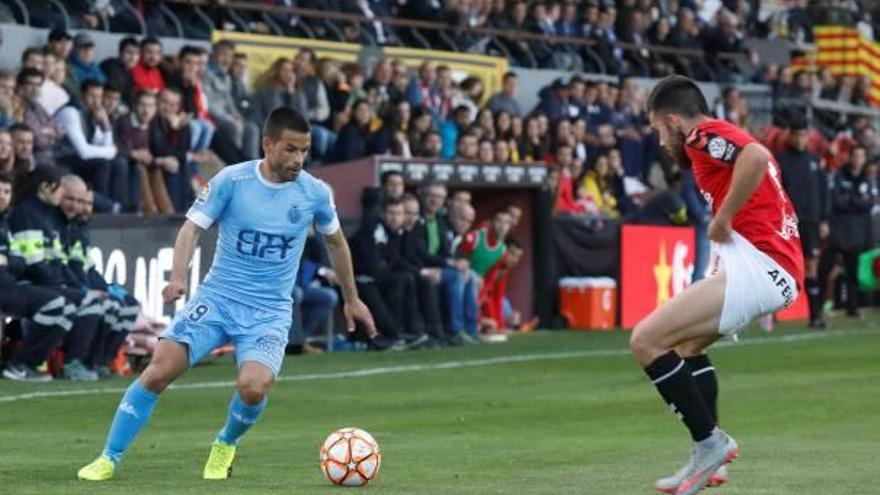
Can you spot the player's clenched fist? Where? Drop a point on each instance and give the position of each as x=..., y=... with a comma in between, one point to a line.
x=173, y=291
x=719, y=230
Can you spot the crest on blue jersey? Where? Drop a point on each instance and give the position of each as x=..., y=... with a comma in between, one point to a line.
x=293, y=214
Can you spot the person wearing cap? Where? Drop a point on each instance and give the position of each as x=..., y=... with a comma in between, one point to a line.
x=554, y=101
x=82, y=60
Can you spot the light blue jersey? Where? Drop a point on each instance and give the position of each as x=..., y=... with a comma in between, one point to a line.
x=246, y=297
x=263, y=228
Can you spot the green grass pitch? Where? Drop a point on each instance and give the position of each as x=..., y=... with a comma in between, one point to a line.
x=549, y=413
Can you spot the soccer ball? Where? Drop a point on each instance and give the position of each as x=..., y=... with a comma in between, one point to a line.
x=350, y=457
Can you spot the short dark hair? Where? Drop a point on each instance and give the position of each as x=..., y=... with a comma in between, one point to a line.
x=509, y=75
x=111, y=86
x=127, y=42
x=188, y=50
x=285, y=118
x=89, y=84
x=5, y=177
x=500, y=211
x=26, y=73
x=513, y=243
x=678, y=94
x=389, y=202
x=19, y=127
x=150, y=40
x=31, y=50
x=388, y=174
x=42, y=174
x=240, y=55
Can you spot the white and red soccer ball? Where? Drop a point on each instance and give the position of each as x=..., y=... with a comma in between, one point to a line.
x=350, y=457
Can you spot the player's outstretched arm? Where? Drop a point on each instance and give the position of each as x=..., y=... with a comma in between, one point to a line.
x=184, y=247
x=748, y=172
x=354, y=308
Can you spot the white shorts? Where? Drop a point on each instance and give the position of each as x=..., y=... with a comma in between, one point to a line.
x=756, y=284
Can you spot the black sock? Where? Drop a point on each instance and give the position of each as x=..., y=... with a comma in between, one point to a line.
x=704, y=376
x=814, y=297
x=677, y=387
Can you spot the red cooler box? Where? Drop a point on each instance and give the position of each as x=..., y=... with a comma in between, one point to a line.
x=588, y=303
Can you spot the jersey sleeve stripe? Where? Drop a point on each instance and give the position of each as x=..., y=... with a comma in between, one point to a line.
x=200, y=219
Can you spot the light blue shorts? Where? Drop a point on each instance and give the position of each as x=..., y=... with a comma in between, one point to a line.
x=209, y=321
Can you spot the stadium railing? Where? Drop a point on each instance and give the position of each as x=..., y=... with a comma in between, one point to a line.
x=416, y=27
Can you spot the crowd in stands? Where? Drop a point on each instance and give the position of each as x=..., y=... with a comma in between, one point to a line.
x=606, y=37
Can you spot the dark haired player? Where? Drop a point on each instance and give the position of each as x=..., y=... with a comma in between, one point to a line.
x=264, y=209
x=758, y=270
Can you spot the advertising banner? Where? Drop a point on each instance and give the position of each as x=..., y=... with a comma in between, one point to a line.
x=656, y=264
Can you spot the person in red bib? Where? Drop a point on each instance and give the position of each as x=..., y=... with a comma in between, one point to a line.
x=758, y=271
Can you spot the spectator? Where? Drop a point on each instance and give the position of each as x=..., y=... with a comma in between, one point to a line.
x=47, y=312
x=276, y=87
x=434, y=236
x=46, y=133
x=451, y=129
x=468, y=147
x=486, y=153
x=147, y=75
x=33, y=57
x=461, y=218
x=119, y=69
x=241, y=91
x=502, y=151
x=89, y=151
x=23, y=147
x=194, y=103
x=428, y=277
x=36, y=221
x=533, y=146
x=112, y=102
x=388, y=291
x=314, y=296
x=850, y=219
x=420, y=124
x=53, y=94
x=806, y=185
x=223, y=109
x=60, y=43
x=725, y=38
x=7, y=154
x=420, y=90
x=431, y=145
x=355, y=138
x=600, y=187
x=170, y=148
x=566, y=199
x=132, y=135
x=82, y=60
x=7, y=95
x=317, y=106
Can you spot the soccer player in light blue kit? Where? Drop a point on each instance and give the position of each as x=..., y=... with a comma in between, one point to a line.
x=264, y=209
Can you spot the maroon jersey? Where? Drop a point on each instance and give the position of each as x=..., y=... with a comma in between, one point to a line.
x=767, y=219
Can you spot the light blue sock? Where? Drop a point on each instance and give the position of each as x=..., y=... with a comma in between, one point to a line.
x=241, y=417
x=133, y=413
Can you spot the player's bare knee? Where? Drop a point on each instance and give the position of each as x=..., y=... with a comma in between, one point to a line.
x=252, y=390
x=156, y=377
x=641, y=342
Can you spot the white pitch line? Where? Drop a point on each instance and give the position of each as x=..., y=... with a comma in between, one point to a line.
x=448, y=365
